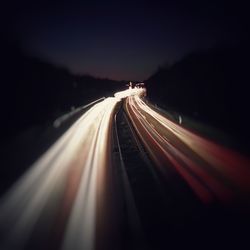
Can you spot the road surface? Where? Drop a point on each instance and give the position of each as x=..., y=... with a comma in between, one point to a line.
x=102, y=185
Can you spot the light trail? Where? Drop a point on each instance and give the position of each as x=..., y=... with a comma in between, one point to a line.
x=212, y=171
x=66, y=199
x=65, y=194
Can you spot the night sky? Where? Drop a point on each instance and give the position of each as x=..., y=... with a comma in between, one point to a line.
x=122, y=40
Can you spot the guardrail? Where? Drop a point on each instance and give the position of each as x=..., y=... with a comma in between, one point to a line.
x=57, y=123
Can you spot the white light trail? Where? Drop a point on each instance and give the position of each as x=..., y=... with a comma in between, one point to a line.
x=67, y=177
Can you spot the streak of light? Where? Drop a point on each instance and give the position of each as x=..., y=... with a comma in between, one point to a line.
x=65, y=183
x=212, y=171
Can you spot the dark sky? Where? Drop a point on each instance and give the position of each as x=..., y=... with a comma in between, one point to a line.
x=125, y=40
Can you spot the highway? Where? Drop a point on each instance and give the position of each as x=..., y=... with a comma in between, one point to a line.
x=213, y=172
x=71, y=197
x=70, y=181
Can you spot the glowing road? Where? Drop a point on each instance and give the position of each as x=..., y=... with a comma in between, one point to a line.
x=67, y=198
x=212, y=171
x=64, y=196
